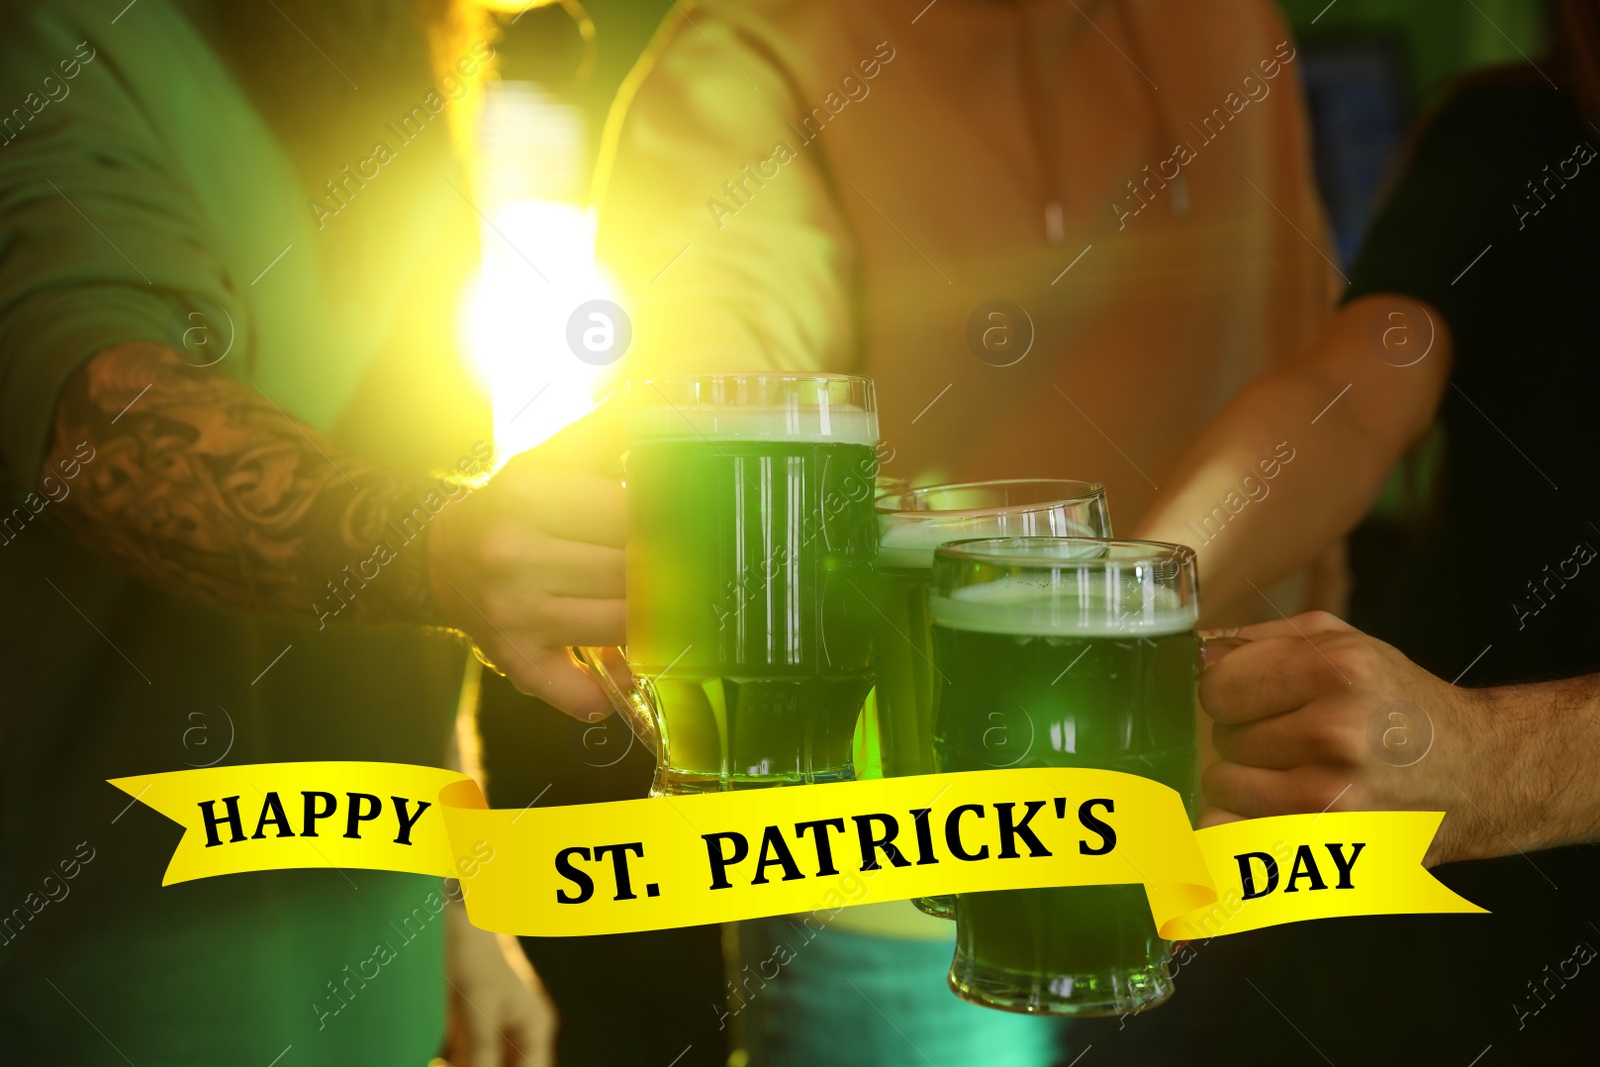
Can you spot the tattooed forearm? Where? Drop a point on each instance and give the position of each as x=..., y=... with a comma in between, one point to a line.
x=201, y=485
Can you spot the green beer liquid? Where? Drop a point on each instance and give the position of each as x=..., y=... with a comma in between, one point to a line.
x=905, y=638
x=1119, y=699
x=905, y=661
x=749, y=565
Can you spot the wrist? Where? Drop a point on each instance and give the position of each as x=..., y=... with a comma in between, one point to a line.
x=432, y=582
x=402, y=523
x=405, y=596
x=451, y=556
x=1548, y=732
x=1487, y=787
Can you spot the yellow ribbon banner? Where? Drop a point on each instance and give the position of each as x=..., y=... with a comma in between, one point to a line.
x=718, y=857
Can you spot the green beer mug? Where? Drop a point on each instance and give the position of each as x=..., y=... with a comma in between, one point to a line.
x=911, y=524
x=749, y=571
x=1078, y=653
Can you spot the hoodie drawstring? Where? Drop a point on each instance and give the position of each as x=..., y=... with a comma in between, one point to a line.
x=1043, y=101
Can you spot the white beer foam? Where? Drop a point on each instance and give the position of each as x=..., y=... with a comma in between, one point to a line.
x=909, y=545
x=836, y=424
x=1038, y=605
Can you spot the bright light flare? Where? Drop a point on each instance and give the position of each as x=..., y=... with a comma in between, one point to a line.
x=538, y=267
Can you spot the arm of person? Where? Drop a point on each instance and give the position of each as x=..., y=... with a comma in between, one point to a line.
x=200, y=485
x=500, y=1014
x=498, y=1011
x=1367, y=387
x=1295, y=460
x=1314, y=715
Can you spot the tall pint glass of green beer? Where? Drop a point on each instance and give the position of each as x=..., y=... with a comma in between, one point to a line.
x=1078, y=653
x=911, y=524
x=749, y=571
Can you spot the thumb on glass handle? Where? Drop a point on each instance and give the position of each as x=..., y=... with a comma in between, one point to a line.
x=605, y=664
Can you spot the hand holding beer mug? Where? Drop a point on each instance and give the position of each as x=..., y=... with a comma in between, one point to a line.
x=1086, y=651
x=531, y=562
x=749, y=572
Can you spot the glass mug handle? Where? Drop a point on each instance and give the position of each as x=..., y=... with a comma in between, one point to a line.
x=1221, y=640
x=632, y=700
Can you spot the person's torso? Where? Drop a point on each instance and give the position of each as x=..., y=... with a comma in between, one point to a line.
x=1187, y=257
x=103, y=676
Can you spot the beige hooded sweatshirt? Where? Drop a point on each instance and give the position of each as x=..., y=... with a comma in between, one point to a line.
x=1060, y=234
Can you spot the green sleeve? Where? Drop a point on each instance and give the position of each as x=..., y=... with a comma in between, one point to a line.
x=101, y=240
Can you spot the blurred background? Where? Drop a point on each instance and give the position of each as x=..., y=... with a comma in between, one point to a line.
x=1369, y=66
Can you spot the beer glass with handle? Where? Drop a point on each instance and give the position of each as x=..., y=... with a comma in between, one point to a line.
x=911, y=524
x=749, y=573
x=1087, y=649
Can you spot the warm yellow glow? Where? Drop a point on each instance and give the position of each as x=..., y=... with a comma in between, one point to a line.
x=538, y=267
x=516, y=320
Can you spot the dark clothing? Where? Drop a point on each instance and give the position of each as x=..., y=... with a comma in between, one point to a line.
x=1507, y=171
x=1494, y=225
x=1520, y=494
x=670, y=980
